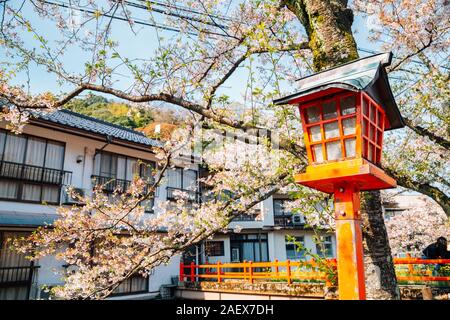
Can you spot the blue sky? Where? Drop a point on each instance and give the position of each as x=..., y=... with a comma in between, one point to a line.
x=139, y=45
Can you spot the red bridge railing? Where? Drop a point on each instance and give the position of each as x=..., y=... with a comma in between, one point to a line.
x=407, y=269
x=286, y=271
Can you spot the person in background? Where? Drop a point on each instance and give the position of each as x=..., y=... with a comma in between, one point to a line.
x=437, y=250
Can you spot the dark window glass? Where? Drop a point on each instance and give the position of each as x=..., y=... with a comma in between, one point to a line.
x=325, y=247
x=214, y=248
x=292, y=248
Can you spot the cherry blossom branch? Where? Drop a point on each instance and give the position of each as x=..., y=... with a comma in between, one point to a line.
x=425, y=188
x=249, y=52
x=426, y=133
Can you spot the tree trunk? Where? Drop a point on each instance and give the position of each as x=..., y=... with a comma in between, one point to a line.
x=381, y=282
x=328, y=26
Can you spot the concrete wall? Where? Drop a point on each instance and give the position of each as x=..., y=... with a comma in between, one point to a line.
x=163, y=274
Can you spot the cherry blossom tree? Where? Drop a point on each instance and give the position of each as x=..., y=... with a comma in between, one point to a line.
x=412, y=230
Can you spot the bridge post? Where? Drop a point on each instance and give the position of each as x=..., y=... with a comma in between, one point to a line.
x=181, y=271
x=276, y=269
x=288, y=271
x=192, y=271
x=245, y=270
x=250, y=267
x=410, y=266
x=219, y=278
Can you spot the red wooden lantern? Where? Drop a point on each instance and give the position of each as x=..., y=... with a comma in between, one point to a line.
x=344, y=113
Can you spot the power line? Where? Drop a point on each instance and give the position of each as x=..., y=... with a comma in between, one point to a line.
x=170, y=13
x=134, y=20
x=229, y=19
x=185, y=9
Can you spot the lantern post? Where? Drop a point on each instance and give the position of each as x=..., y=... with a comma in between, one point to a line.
x=344, y=113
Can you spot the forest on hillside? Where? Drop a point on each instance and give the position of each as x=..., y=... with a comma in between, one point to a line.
x=120, y=113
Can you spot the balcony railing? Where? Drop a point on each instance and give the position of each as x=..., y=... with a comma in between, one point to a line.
x=110, y=184
x=193, y=196
x=36, y=174
x=247, y=217
x=287, y=221
x=16, y=276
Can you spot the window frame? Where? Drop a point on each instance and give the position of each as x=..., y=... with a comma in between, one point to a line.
x=138, y=161
x=183, y=170
x=212, y=251
x=20, y=182
x=325, y=242
x=238, y=240
x=126, y=157
x=299, y=255
x=319, y=103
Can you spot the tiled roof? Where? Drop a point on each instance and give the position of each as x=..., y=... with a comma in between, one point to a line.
x=79, y=121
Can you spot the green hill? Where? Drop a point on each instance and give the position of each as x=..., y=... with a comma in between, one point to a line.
x=115, y=112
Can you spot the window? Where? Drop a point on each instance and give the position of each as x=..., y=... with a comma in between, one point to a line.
x=235, y=255
x=373, y=119
x=117, y=171
x=31, y=168
x=214, y=248
x=283, y=217
x=184, y=180
x=325, y=247
x=250, y=247
x=16, y=272
x=292, y=248
x=180, y=178
x=110, y=165
x=279, y=207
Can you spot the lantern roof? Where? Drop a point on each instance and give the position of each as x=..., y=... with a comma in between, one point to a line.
x=367, y=74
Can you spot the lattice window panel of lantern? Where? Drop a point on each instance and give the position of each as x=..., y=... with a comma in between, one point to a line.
x=330, y=124
x=373, y=124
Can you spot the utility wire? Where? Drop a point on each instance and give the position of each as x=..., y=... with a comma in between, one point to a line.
x=170, y=13
x=134, y=20
x=185, y=9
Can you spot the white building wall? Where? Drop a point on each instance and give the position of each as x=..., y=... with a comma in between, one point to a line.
x=50, y=272
x=163, y=274
x=279, y=242
x=267, y=209
x=276, y=240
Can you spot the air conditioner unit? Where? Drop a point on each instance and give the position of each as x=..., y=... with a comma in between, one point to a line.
x=298, y=219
